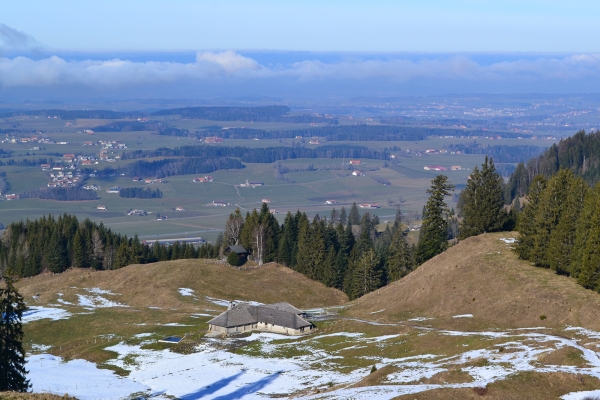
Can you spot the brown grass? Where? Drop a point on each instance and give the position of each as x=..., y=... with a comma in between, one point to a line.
x=564, y=356
x=523, y=386
x=482, y=276
x=33, y=396
x=157, y=284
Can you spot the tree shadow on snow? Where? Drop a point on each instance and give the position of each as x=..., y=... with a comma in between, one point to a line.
x=237, y=394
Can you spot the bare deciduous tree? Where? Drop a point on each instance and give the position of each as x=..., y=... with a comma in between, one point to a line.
x=258, y=239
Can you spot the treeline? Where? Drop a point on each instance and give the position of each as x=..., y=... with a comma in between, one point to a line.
x=248, y=114
x=26, y=162
x=579, y=153
x=73, y=114
x=354, y=133
x=264, y=155
x=137, y=126
x=326, y=250
x=182, y=166
x=500, y=153
x=140, y=193
x=48, y=244
x=60, y=194
x=560, y=227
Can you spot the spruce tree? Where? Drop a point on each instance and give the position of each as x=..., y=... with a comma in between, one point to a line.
x=343, y=216
x=57, y=258
x=526, y=226
x=366, y=274
x=354, y=216
x=12, y=355
x=482, y=201
x=433, y=237
x=399, y=262
x=78, y=251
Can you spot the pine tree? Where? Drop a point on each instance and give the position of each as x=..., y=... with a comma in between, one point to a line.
x=366, y=274
x=527, y=227
x=78, y=251
x=482, y=201
x=433, y=237
x=56, y=255
x=562, y=238
x=354, y=216
x=343, y=217
x=399, y=262
x=12, y=355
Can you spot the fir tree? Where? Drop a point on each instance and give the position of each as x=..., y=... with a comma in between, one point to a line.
x=78, y=251
x=399, y=262
x=433, y=237
x=56, y=254
x=354, y=216
x=527, y=227
x=343, y=217
x=366, y=274
x=12, y=355
x=482, y=201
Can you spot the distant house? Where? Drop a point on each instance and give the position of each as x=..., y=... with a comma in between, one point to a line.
x=434, y=168
x=330, y=201
x=12, y=197
x=203, y=179
x=101, y=208
x=45, y=167
x=314, y=141
x=219, y=204
x=86, y=162
x=252, y=184
x=137, y=212
x=357, y=173
x=213, y=139
x=265, y=201
x=279, y=317
x=179, y=209
x=369, y=205
x=455, y=168
x=115, y=189
x=136, y=178
x=354, y=162
x=239, y=250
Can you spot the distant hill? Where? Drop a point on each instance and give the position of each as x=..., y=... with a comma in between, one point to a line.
x=482, y=276
x=158, y=284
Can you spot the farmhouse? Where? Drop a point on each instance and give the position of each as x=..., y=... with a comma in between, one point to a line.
x=101, y=208
x=213, y=139
x=203, y=179
x=434, y=168
x=279, y=317
x=455, y=168
x=354, y=162
x=369, y=205
x=357, y=173
x=330, y=201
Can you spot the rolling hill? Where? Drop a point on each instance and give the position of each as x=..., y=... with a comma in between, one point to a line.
x=158, y=285
x=481, y=276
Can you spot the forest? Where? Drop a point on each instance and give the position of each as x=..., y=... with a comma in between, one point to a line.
x=265, y=154
x=579, y=153
x=60, y=194
x=182, y=166
x=140, y=193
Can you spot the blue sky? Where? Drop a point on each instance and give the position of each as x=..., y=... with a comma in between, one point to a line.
x=306, y=47
x=309, y=25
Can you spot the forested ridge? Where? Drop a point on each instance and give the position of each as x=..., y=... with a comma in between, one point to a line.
x=579, y=153
x=264, y=154
x=55, y=244
x=182, y=166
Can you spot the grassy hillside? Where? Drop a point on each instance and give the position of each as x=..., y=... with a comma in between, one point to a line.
x=157, y=285
x=483, y=277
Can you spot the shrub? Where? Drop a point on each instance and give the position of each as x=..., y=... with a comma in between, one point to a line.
x=543, y=317
x=373, y=369
x=234, y=259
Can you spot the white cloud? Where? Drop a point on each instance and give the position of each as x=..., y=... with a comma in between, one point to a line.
x=227, y=66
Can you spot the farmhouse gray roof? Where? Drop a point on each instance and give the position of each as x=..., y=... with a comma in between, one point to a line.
x=246, y=314
x=237, y=249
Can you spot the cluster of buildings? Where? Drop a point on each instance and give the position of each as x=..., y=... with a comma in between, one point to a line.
x=213, y=139
x=369, y=205
x=203, y=179
x=251, y=184
x=440, y=168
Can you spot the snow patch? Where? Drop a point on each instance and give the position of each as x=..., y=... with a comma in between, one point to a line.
x=100, y=291
x=590, y=394
x=186, y=292
x=509, y=240
x=419, y=319
x=37, y=313
x=375, y=312
x=463, y=316
x=97, y=302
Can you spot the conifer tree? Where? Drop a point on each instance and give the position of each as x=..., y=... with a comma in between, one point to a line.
x=12, y=355
x=527, y=227
x=399, y=262
x=354, y=216
x=56, y=253
x=433, y=237
x=482, y=201
x=366, y=274
x=343, y=216
x=78, y=251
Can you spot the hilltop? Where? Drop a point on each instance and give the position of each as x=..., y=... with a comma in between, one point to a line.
x=158, y=285
x=482, y=276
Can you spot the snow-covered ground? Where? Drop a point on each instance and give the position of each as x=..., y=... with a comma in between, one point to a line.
x=186, y=292
x=97, y=301
x=35, y=313
x=213, y=372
